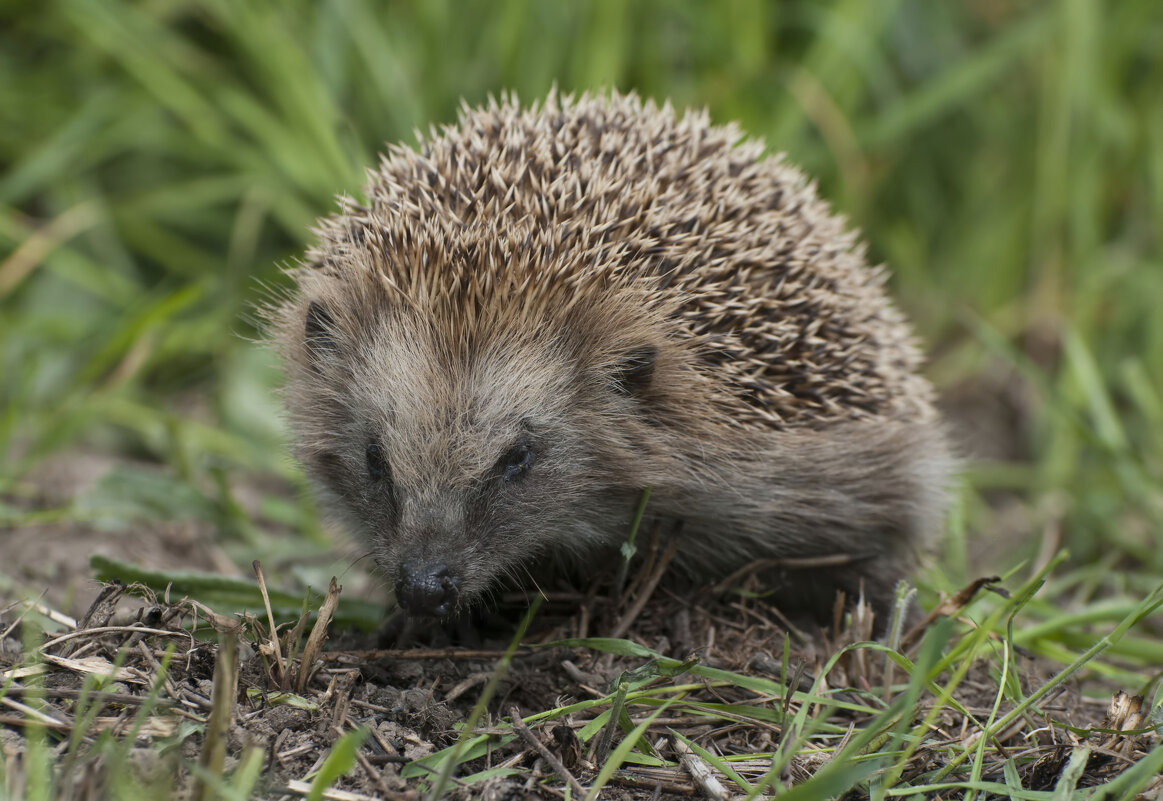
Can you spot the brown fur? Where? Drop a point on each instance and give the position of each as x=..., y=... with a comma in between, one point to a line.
x=637, y=298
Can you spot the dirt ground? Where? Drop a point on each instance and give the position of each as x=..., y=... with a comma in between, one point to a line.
x=413, y=700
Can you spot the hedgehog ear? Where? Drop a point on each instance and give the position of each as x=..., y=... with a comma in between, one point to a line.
x=633, y=372
x=318, y=331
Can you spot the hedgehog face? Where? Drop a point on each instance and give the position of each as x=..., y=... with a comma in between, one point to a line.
x=461, y=466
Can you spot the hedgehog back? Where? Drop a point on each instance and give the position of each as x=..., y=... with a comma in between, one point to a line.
x=612, y=204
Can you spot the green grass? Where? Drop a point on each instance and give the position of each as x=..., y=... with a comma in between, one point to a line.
x=160, y=159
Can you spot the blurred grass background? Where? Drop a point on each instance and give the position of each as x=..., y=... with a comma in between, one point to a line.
x=160, y=158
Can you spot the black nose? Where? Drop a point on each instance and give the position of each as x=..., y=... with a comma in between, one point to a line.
x=427, y=589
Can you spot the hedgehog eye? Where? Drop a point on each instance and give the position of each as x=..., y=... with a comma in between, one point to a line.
x=516, y=463
x=377, y=462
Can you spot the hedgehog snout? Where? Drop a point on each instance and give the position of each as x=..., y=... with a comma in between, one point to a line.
x=427, y=589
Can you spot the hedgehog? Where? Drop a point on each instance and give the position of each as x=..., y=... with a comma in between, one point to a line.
x=542, y=311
